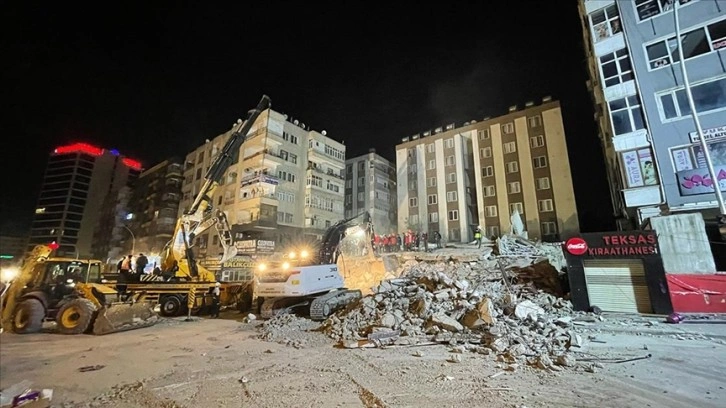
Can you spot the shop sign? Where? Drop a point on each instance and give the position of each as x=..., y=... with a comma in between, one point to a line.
x=642, y=243
x=576, y=246
x=709, y=134
x=698, y=181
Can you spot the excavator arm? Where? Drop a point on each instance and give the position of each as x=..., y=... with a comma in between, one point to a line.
x=201, y=215
x=334, y=235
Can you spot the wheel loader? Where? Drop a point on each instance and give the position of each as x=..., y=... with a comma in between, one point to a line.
x=61, y=290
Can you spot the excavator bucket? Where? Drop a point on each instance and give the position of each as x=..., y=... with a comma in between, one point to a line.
x=118, y=317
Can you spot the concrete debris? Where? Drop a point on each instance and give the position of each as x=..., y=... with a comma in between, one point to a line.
x=290, y=330
x=468, y=307
x=534, y=252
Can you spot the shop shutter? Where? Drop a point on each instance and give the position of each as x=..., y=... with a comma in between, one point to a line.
x=617, y=285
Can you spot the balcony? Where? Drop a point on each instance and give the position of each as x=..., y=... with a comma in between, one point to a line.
x=259, y=178
x=328, y=172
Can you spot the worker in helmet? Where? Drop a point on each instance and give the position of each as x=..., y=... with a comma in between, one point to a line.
x=477, y=236
x=216, y=292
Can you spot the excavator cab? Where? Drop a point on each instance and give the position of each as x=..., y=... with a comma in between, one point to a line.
x=67, y=291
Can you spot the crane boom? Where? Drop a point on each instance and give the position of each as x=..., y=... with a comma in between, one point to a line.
x=201, y=214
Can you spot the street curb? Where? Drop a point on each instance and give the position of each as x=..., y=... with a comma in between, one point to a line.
x=635, y=330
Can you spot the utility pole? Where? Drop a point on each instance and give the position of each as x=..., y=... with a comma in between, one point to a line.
x=699, y=129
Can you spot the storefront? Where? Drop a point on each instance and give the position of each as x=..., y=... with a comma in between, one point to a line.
x=617, y=272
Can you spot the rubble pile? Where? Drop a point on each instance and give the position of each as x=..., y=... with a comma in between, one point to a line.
x=518, y=249
x=463, y=303
x=289, y=329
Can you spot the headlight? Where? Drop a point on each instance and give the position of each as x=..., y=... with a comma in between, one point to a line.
x=285, y=265
x=261, y=267
x=292, y=255
x=304, y=254
x=9, y=274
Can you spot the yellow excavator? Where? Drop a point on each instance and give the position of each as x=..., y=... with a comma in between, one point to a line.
x=62, y=290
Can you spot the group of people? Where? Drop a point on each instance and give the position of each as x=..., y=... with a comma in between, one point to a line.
x=408, y=241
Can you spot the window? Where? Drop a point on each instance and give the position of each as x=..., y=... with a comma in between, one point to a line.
x=349, y=169
x=412, y=185
x=707, y=96
x=451, y=178
x=361, y=196
x=490, y=211
x=650, y=8
x=539, y=162
x=616, y=67
x=450, y=143
x=490, y=191
x=431, y=182
x=702, y=40
x=510, y=147
x=451, y=196
x=549, y=228
x=361, y=181
x=535, y=121
x=413, y=202
x=492, y=231
x=430, y=147
x=543, y=183
x=293, y=140
x=639, y=168
x=626, y=114
x=432, y=164
x=512, y=167
x=486, y=152
x=508, y=128
x=414, y=220
x=454, y=215
x=487, y=171
x=199, y=174
x=450, y=160
x=348, y=183
x=514, y=187
x=545, y=205
x=432, y=199
x=434, y=217
x=454, y=234
x=536, y=141
x=484, y=134
x=691, y=157
x=605, y=23
x=516, y=206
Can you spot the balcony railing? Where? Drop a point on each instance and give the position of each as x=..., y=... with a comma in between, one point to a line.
x=259, y=178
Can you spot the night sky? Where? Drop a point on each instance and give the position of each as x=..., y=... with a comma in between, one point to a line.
x=157, y=80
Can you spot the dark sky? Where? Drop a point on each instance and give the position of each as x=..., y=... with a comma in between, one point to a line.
x=156, y=80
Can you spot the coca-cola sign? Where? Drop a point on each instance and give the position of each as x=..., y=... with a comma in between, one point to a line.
x=576, y=246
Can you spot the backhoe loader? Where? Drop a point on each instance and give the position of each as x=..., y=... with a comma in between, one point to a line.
x=62, y=290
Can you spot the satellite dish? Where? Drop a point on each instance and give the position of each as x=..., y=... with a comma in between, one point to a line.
x=324, y=133
x=285, y=115
x=296, y=121
x=302, y=125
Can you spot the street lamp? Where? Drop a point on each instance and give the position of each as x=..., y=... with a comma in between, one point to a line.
x=133, y=239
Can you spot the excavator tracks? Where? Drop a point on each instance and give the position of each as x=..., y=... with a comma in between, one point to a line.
x=325, y=305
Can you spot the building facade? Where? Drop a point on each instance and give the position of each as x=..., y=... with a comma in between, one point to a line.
x=78, y=180
x=370, y=185
x=434, y=184
x=480, y=174
x=521, y=164
x=287, y=183
x=656, y=165
x=145, y=216
x=12, y=250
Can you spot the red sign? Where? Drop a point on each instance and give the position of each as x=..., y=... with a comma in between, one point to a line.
x=576, y=246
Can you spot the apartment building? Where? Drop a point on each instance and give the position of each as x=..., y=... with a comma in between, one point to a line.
x=434, y=180
x=78, y=181
x=286, y=185
x=646, y=127
x=455, y=179
x=521, y=163
x=370, y=185
x=145, y=220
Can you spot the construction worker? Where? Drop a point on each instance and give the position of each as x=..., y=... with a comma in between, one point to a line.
x=477, y=236
x=216, y=292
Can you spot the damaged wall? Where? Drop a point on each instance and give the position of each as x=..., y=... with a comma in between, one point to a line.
x=684, y=246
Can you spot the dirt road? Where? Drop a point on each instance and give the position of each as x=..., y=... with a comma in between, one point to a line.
x=223, y=363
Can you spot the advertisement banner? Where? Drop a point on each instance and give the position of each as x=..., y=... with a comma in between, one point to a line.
x=682, y=159
x=698, y=181
x=632, y=169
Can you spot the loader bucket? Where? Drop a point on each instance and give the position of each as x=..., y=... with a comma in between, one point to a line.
x=118, y=317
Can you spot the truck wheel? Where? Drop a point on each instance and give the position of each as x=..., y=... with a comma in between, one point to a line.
x=28, y=317
x=76, y=316
x=170, y=306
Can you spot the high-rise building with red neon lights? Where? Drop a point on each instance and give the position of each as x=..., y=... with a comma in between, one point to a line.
x=78, y=179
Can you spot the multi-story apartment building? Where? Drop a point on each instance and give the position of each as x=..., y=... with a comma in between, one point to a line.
x=649, y=137
x=145, y=222
x=435, y=192
x=483, y=172
x=287, y=183
x=77, y=182
x=12, y=249
x=370, y=185
x=521, y=163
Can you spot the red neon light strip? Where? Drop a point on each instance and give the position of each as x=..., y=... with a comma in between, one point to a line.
x=136, y=165
x=79, y=148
